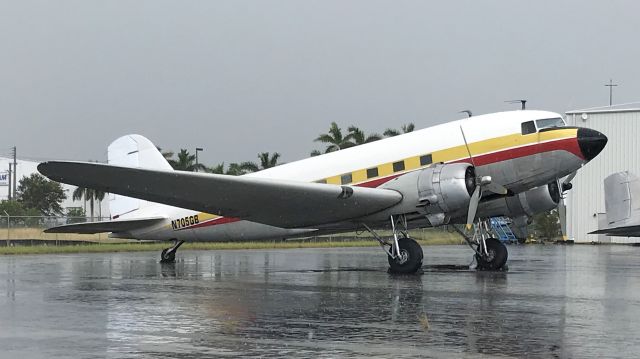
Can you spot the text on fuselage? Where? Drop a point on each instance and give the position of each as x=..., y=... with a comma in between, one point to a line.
x=184, y=222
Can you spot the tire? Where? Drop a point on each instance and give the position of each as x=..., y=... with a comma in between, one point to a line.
x=412, y=255
x=497, y=255
x=167, y=256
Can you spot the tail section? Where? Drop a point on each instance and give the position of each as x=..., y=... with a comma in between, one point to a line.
x=622, y=198
x=137, y=152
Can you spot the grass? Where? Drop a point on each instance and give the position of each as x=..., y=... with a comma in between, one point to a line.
x=427, y=237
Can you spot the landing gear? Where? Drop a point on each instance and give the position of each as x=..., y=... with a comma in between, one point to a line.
x=168, y=255
x=496, y=256
x=410, y=258
x=404, y=254
x=491, y=253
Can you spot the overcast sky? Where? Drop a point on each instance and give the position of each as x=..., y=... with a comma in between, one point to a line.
x=242, y=77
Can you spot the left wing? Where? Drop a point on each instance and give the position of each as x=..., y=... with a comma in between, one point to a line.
x=280, y=203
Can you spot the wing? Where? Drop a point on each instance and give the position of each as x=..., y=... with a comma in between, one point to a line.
x=623, y=231
x=107, y=226
x=280, y=203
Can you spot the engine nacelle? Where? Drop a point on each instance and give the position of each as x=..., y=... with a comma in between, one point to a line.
x=439, y=192
x=529, y=203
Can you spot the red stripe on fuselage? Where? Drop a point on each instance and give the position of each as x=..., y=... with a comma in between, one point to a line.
x=567, y=144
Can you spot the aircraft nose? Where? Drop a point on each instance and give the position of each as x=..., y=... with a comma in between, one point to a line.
x=591, y=142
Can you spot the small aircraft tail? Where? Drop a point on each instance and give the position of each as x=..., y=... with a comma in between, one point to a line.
x=622, y=203
x=133, y=151
x=622, y=198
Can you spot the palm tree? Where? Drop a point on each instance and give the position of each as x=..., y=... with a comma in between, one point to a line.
x=266, y=161
x=390, y=132
x=360, y=138
x=335, y=140
x=218, y=169
x=87, y=194
x=99, y=196
x=315, y=153
x=186, y=162
x=236, y=169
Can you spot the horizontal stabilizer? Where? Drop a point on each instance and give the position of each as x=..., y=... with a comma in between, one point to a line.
x=124, y=225
x=624, y=231
x=280, y=203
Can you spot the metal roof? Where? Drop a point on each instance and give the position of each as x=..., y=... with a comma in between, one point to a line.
x=623, y=107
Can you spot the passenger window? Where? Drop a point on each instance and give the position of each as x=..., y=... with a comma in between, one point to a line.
x=372, y=172
x=398, y=166
x=426, y=160
x=528, y=127
x=346, y=179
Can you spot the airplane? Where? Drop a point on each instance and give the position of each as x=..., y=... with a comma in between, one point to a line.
x=621, y=193
x=457, y=173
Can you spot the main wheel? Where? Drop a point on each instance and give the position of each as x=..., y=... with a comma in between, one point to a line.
x=410, y=259
x=168, y=255
x=496, y=255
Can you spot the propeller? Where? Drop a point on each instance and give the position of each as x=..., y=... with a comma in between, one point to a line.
x=564, y=186
x=481, y=182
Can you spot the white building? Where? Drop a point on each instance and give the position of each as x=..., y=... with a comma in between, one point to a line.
x=585, y=202
x=26, y=168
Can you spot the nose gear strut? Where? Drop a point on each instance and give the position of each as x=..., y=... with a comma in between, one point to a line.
x=491, y=253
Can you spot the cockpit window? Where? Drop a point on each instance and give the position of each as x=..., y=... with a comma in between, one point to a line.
x=528, y=127
x=550, y=122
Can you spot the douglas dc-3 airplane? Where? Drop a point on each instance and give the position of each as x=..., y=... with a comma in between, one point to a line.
x=508, y=163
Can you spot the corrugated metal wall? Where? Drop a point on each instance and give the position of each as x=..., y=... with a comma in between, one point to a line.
x=586, y=200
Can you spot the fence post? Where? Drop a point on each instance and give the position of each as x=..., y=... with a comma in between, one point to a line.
x=8, y=230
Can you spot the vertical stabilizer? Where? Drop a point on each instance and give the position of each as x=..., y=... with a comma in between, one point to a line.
x=137, y=152
x=622, y=198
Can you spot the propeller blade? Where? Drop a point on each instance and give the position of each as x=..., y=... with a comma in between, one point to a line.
x=473, y=207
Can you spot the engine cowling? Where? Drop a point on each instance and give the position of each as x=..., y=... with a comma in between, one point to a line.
x=439, y=192
x=529, y=203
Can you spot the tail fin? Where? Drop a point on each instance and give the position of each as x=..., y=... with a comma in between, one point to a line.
x=622, y=198
x=137, y=152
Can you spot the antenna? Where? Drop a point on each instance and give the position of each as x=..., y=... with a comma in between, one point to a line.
x=468, y=112
x=523, y=102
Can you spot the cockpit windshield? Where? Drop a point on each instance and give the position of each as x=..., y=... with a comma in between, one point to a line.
x=550, y=122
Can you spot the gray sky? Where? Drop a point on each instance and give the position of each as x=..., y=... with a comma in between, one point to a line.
x=242, y=77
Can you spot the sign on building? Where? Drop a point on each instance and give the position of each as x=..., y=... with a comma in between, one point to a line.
x=4, y=178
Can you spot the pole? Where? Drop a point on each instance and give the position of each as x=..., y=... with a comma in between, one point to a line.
x=9, y=183
x=8, y=226
x=15, y=171
x=611, y=85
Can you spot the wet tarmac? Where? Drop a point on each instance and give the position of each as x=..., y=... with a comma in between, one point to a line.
x=555, y=301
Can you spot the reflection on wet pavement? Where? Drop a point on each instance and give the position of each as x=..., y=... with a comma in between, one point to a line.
x=555, y=301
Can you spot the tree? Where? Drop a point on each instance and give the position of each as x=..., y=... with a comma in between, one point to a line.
x=22, y=214
x=360, y=138
x=390, y=132
x=547, y=224
x=76, y=215
x=185, y=161
x=334, y=139
x=89, y=195
x=266, y=161
x=38, y=192
x=218, y=169
x=315, y=153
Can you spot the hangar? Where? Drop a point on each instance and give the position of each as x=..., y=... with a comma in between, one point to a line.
x=585, y=202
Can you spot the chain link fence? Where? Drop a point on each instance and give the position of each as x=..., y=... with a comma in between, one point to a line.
x=30, y=230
